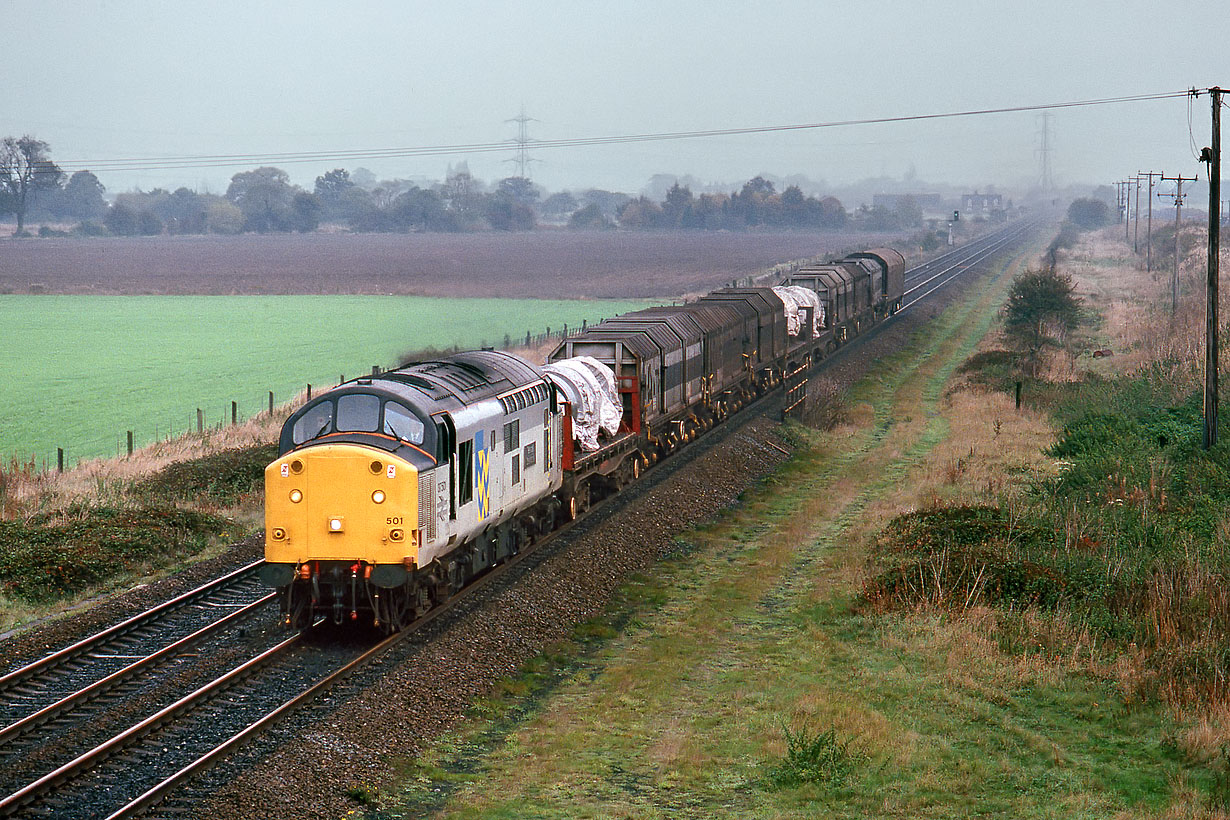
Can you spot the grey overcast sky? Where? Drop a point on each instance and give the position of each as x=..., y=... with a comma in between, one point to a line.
x=106, y=79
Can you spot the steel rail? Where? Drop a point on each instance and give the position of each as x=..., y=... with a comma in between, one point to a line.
x=954, y=270
x=97, y=688
x=961, y=253
x=967, y=254
x=21, y=798
x=140, y=619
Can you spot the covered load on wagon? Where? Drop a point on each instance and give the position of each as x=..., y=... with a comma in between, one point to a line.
x=796, y=299
x=589, y=386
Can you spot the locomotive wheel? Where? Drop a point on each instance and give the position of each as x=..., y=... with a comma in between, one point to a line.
x=573, y=509
x=636, y=468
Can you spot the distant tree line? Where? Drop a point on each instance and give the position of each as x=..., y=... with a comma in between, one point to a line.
x=264, y=200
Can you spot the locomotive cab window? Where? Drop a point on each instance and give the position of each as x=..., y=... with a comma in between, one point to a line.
x=359, y=413
x=401, y=423
x=316, y=421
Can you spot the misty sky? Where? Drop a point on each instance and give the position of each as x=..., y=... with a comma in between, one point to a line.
x=105, y=80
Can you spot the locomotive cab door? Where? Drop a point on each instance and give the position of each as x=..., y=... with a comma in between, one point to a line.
x=446, y=436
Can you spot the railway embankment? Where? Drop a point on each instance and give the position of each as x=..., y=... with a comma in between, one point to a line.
x=944, y=606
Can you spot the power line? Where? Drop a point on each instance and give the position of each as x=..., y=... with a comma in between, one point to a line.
x=283, y=158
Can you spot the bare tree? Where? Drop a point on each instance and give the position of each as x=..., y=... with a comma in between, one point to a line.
x=24, y=167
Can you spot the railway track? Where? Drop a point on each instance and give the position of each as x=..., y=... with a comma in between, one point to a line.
x=934, y=274
x=129, y=771
x=126, y=648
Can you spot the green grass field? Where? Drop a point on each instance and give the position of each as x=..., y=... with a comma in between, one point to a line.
x=80, y=371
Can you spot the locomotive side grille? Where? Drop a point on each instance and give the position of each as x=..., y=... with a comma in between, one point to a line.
x=427, y=513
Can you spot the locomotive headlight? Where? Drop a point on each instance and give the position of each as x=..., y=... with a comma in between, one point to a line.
x=378, y=496
x=335, y=525
x=296, y=496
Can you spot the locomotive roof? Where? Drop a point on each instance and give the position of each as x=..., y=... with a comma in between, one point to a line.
x=468, y=377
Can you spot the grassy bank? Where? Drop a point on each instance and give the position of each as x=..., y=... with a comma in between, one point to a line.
x=69, y=540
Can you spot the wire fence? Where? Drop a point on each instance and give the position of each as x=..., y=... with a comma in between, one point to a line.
x=208, y=420
x=215, y=418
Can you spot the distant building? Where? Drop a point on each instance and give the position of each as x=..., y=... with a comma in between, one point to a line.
x=977, y=204
x=926, y=202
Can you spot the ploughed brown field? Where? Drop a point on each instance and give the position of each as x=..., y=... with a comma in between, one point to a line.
x=548, y=264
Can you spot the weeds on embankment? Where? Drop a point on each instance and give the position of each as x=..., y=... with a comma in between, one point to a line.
x=61, y=544
x=1122, y=550
x=1127, y=543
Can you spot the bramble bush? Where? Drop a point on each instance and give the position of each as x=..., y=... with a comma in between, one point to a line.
x=53, y=555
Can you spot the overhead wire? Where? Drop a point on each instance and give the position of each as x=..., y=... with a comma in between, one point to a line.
x=237, y=159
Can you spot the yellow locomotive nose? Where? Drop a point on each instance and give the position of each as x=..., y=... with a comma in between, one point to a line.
x=341, y=502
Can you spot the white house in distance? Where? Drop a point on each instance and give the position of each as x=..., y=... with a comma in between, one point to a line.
x=977, y=204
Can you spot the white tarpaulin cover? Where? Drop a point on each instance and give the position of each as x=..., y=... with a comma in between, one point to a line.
x=792, y=309
x=796, y=297
x=590, y=386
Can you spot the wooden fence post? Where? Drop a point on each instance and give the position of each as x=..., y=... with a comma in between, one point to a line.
x=129, y=442
x=59, y=459
x=200, y=420
x=309, y=392
x=234, y=413
x=271, y=402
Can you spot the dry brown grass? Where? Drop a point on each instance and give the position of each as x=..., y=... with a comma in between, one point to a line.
x=1136, y=304
x=107, y=480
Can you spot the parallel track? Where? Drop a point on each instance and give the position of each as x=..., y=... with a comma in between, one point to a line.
x=217, y=718
x=123, y=650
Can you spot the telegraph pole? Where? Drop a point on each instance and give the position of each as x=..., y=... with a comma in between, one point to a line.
x=1045, y=181
x=1149, y=228
x=1178, y=209
x=1136, y=225
x=1212, y=155
x=1127, y=209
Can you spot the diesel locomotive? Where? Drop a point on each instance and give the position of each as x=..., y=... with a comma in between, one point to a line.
x=393, y=491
